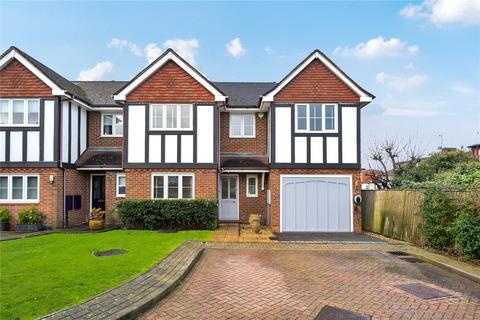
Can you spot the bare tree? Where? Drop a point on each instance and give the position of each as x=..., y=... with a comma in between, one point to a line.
x=388, y=156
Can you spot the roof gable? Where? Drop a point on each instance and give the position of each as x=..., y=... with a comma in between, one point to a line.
x=17, y=81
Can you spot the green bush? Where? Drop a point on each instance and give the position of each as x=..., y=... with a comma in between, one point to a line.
x=30, y=216
x=4, y=215
x=467, y=226
x=169, y=214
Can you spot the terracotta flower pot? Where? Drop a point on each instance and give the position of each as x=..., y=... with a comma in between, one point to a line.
x=96, y=224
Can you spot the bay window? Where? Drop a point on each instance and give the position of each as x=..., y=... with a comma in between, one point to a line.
x=171, y=117
x=112, y=125
x=19, y=112
x=172, y=186
x=19, y=188
x=316, y=118
x=242, y=125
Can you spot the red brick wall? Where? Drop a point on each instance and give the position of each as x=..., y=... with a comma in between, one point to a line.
x=252, y=145
x=170, y=83
x=252, y=205
x=51, y=195
x=274, y=185
x=78, y=183
x=17, y=81
x=316, y=83
x=111, y=198
x=95, y=131
x=138, y=182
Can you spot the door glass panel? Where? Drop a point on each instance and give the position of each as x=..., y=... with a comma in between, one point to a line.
x=225, y=188
x=233, y=188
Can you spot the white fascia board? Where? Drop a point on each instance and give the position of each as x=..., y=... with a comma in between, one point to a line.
x=56, y=90
x=364, y=97
x=122, y=95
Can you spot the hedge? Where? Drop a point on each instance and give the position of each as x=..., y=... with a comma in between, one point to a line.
x=169, y=214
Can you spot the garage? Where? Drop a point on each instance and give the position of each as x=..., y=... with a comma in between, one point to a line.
x=316, y=203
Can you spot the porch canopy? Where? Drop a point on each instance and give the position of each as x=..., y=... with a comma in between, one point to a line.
x=250, y=163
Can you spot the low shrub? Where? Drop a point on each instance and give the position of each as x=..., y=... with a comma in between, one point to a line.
x=467, y=227
x=4, y=215
x=30, y=216
x=169, y=214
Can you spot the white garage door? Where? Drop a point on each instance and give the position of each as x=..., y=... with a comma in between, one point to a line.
x=316, y=203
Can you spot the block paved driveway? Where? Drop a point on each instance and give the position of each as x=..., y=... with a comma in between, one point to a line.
x=296, y=284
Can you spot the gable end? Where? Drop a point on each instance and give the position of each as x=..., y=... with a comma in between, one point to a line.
x=17, y=81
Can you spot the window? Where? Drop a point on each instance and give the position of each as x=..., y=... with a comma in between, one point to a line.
x=252, y=185
x=242, y=125
x=172, y=186
x=19, y=188
x=112, y=125
x=171, y=117
x=120, y=185
x=19, y=112
x=316, y=118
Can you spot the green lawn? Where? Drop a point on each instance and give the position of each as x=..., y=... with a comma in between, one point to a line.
x=43, y=274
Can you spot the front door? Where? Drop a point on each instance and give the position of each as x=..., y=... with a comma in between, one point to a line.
x=229, y=197
x=98, y=191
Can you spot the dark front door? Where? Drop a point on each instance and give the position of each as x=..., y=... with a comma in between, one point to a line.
x=98, y=192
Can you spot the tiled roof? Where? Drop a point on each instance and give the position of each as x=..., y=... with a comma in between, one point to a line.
x=244, y=94
x=251, y=162
x=100, y=93
x=100, y=158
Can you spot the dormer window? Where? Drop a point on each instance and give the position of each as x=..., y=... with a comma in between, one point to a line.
x=315, y=118
x=112, y=125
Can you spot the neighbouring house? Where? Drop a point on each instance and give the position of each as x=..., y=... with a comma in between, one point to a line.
x=366, y=179
x=288, y=150
x=475, y=149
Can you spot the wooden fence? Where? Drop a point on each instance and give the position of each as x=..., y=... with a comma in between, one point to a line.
x=393, y=213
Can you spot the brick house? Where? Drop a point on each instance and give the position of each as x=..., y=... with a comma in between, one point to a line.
x=288, y=150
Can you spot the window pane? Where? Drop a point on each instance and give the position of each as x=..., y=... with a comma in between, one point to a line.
x=33, y=111
x=107, y=125
x=225, y=188
x=330, y=117
x=233, y=188
x=121, y=185
x=18, y=111
x=330, y=111
x=157, y=116
x=302, y=117
x=158, y=187
x=17, y=188
x=3, y=111
x=248, y=122
x=315, y=117
x=119, y=125
x=187, y=187
x=185, y=113
x=32, y=188
x=252, y=186
x=3, y=187
x=236, y=125
x=173, y=187
x=171, y=116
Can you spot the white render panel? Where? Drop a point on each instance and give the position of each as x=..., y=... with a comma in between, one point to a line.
x=16, y=145
x=65, y=110
x=48, y=130
x=349, y=135
x=83, y=130
x=155, y=148
x=74, y=133
x=316, y=149
x=332, y=150
x=300, y=149
x=205, y=131
x=136, y=133
x=187, y=148
x=283, y=139
x=2, y=145
x=33, y=146
x=171, y=144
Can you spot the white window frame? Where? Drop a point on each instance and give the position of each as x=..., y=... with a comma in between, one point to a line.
x=120, y=195
x=165, y=185
x=24, y=188
x=252, y=195
x=242, y=126
x=307, y=130
x=114, y=130
x=164, y=117
x=25, y=113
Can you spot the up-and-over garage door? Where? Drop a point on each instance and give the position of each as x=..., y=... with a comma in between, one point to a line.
x=316, y=203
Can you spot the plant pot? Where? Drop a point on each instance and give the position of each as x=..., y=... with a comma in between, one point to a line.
x=29, y=227
x=96, y=224
x=253, y=217
x=254, y=221
x=5, y=226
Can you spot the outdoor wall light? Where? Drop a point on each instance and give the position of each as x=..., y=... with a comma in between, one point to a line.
x=260, y=115
x=357, y=199
x=51, y=179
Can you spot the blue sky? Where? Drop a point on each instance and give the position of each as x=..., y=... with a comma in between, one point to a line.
x=420, y=59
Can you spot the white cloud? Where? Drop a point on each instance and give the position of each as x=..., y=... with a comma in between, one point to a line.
x=441, y=12
x=268, y=50
x=187, y=49
x=152, y=52
x=409, y=66
x=462, y=88
x=235, y=49
x=119, y=43
x=408, y=112
x=401, y=83
x=378, y=48
x=95, y=73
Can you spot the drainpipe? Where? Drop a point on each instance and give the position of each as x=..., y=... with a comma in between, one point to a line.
x=64, y=215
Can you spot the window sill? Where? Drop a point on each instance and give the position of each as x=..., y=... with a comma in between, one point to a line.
x=19, y=201
x=252, y=196
x=242, y=137
x=111, y=136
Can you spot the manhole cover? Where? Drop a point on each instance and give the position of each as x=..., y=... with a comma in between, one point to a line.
x=398, y=253
x=412, y=260
x=333, y=313
x=112, y=252
x=422, y=291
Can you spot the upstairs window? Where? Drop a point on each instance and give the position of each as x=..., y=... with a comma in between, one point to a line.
x=112, y=125
x=172, y=186
x=171, y=117
x=316, y=118
x=19, y=112
x=242, y=125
